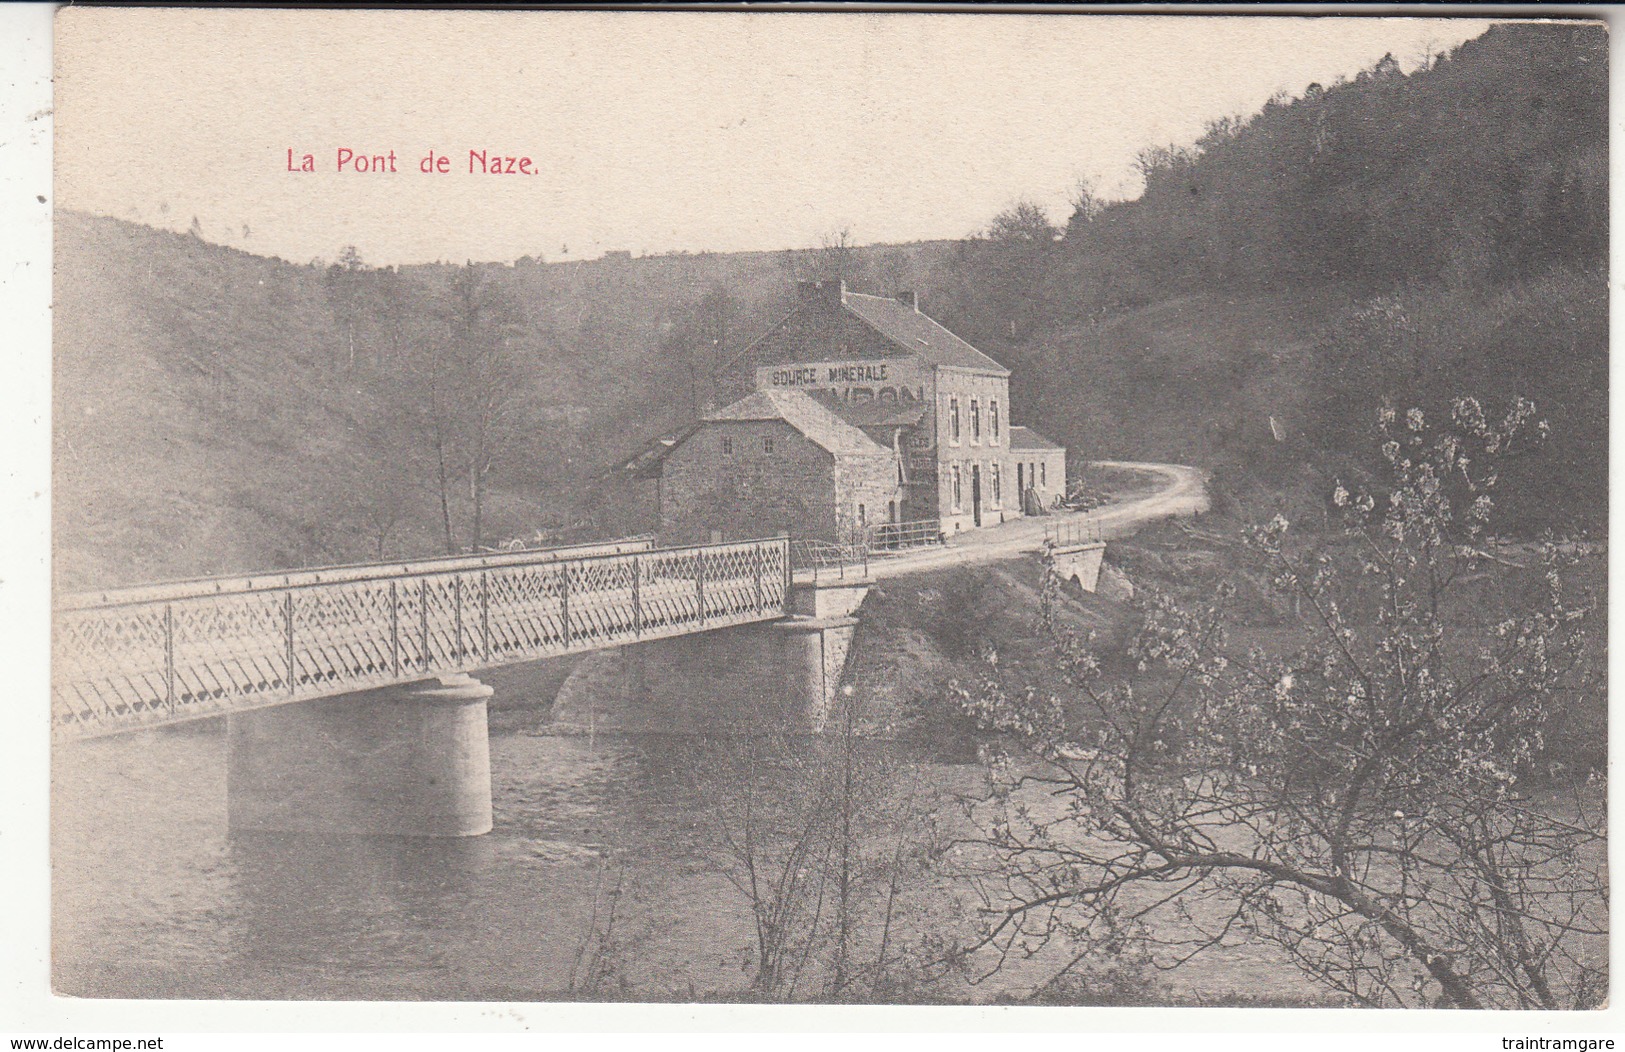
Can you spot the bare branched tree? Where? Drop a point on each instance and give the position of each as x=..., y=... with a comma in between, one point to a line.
x=461, y=390
x=493, y=396
x=1375, y=799
x=348, y=290
x=704, y=342
x=819, y=835
x=837, y=258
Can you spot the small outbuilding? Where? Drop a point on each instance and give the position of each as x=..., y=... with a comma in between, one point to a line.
x=1040, y=469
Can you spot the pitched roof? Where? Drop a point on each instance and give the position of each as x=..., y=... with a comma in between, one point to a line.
x=806, y=415
x=644, y=463
x=917, y=333
x=1027, y=438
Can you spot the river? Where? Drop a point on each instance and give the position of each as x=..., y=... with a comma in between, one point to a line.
x=600, y=878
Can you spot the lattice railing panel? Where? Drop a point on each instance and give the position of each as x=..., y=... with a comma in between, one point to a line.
x=109, y=665
x=444, y=641
x=228, y=648
x=525, y=612
x=601, y=604
x=343, y=633
x=164, y=653
x=671, y=589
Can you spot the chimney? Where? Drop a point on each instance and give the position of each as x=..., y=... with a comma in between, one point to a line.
x=821, y=291
x=909, y=299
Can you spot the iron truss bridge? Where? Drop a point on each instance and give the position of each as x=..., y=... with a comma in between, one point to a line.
x=140, y=657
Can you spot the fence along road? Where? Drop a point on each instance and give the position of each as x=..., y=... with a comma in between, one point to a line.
x=160, y=654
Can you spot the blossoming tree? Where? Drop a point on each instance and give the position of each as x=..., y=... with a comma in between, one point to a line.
x=1375, y=799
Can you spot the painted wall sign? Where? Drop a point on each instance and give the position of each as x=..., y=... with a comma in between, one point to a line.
x=874, y=374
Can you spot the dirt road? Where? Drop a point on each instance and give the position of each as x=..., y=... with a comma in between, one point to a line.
x=1182, y=493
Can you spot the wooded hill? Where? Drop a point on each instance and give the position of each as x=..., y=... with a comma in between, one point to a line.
x=1400, y=239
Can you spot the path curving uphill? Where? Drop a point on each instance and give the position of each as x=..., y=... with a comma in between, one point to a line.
x=1181, y=492
x=1184, y=494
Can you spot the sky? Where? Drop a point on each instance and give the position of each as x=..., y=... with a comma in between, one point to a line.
x=649, y=131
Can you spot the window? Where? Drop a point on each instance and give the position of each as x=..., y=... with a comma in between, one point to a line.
x=727, y=446
x=953, y=424
x=863, y=516
x=975, y=423
x=958, y=499
x=767, y=444
x=993, y=421
x=1043, y=474
x=993, y=477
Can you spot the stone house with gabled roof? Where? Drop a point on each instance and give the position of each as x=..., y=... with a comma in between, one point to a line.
x=867, y=411
x=879, y=357
x=775, y=462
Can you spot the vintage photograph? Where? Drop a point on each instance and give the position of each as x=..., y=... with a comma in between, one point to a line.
x=821, y=508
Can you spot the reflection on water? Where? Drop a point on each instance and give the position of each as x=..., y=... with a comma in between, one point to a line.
x=154, y=898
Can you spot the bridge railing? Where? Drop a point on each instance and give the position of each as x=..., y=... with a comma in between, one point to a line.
x=353, y=572
x=164, y=653
x=829, y=560
x=1065, y=534
x=886, y=537
x=851, y=556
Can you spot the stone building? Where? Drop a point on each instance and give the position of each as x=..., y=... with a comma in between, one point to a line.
x=1040, y=468
x=775, y=462
x=867, y=411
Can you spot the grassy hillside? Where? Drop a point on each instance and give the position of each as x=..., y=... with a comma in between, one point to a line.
x=1186, y=379
x=1275, y=391
x=191, y=436
x=217, y=412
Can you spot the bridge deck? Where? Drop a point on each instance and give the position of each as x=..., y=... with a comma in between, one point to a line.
x=166, y=653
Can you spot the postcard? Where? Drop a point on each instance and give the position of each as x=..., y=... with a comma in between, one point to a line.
x=829, y=508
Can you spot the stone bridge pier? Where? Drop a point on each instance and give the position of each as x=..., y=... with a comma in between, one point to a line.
x=815, y=641
x=1080, y=562
x=415, y=760
x=407, y=760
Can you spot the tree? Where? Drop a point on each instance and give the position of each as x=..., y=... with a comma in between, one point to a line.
x=1375, y=800
x=703, y=342
x=818, y=834
x=485, y=409
x=1086, y=204
x=464, y=390
x=1009, y=279
x=484, y=324
x=347, y=294
x=836, y=258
